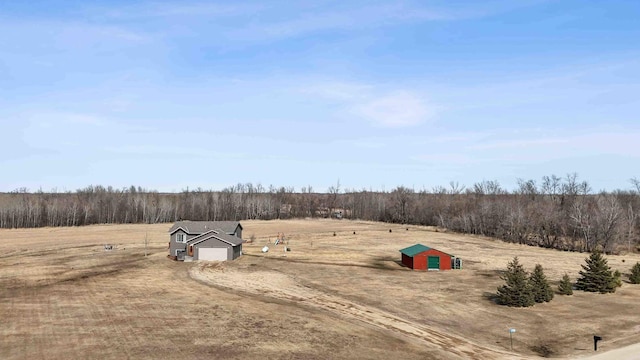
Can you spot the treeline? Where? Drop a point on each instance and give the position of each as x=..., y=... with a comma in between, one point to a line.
x=561, y=213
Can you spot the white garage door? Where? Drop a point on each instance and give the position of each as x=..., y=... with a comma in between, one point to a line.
x=219, y=254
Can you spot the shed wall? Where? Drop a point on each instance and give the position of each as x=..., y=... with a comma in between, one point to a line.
x=420, y=261
x=407, y=261
x=445, y=259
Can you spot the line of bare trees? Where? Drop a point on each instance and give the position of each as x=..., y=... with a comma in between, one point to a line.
x=561, y=213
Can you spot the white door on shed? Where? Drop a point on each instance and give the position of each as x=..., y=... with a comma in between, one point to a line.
x=212, y=254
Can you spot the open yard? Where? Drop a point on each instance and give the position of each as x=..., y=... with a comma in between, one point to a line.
x=331, y=297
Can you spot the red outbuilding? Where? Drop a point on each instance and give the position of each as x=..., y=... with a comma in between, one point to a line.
x=420, y=257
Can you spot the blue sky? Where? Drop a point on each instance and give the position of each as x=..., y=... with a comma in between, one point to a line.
x=375, y=94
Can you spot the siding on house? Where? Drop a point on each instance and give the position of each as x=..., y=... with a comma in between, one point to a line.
x=227, y=232
x=212, y=239
x=237, y=251
x=212, y=243
x=175, y=245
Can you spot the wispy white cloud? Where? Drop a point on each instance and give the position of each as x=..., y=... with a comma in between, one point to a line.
x=448, y=158
x=42, y=36
x=179, y=151
x=464, y=137
x=295, y=20
x=363, y=144
x=377, y=105
x=352, y=18
x=341, y=91
x=61, y=119
x=527, y=148
x=113, y=32
x=398, y=109
x=254, y=22
x=587, y=81
x=55, y=130
x=522, y=143
x=565, y=142
x=176, y=9
x=623, y=142
x=368, y=143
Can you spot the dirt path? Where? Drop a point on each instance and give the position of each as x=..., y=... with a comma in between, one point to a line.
x=284, y=287
x=631, y=352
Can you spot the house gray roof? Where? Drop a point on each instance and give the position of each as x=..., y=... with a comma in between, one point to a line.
x=200, y=227
x=203, y=235
x=216, y=234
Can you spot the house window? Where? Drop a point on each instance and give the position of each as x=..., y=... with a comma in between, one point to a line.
x=181, y=238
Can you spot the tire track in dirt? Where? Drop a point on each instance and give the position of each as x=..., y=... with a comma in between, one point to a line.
x=283, y=287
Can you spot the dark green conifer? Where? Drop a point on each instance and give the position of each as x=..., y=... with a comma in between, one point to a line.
x=634, y=278
x=596, y=275
x=565, y=287
x=617, y=278
x=540, y=286
x=516, y=291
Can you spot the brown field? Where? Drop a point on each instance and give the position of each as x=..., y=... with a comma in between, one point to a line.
x=331, y=297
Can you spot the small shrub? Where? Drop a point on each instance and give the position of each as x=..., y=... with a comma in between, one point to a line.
x=565, y=287
x=542, y=349
x=634, y=277
x=617, y=278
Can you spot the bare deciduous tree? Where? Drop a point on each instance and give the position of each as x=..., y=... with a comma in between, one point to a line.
x=558, y=213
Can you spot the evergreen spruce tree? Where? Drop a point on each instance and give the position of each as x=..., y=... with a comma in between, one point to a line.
x=540, y=286
x=565, y=287
x=617, y=278
x=596, y=275
x=516, y=291
x=634, y=278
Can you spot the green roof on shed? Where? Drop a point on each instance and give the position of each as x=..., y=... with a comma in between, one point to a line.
x=414, y=249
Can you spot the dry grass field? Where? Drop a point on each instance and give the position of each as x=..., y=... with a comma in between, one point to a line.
x=331, y=297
